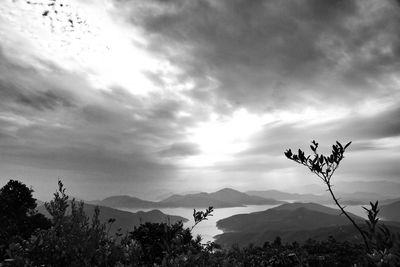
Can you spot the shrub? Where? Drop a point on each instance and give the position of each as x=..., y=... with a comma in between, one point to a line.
x=18, y=215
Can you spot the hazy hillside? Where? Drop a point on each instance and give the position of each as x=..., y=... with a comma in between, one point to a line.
x=389, y=201
x=196, y=201
x=223, y=198
x=388, y=188
x=280, y=195
x=127, y=202
x=124, y=219
x=354, y=198
x=310, y=206
x=297, y=216
x=234, y=196
x=391, y=211
x=293, y=221
x=342, y=233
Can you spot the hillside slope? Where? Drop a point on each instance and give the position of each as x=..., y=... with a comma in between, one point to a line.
x=292, y=222
x=391, y=211
x=223, y=198
x=124, y=219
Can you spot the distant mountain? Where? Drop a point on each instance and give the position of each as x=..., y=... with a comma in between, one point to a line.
x=389, y=201
x=306, y=189
x=221, y=199
x=279, y=195
x=355, y=198
x=124, y=219
x=391, y=211
x=294, y=221
x=387, y=188
x=292, y=216
x=313, y=207
x=226, y=197
x=234, y=196
x=127, y=202
x=200, y=200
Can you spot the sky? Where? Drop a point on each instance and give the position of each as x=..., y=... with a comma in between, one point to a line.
x=149, y=97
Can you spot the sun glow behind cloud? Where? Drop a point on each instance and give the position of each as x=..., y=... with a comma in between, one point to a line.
x=81, y=37
x=222, y=137
x=151, y=90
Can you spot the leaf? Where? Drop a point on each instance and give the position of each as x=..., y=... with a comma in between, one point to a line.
x=347, y=145
x=289, y=154
x=339, y=144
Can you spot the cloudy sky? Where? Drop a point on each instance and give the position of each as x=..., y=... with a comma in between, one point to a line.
x=148, y=97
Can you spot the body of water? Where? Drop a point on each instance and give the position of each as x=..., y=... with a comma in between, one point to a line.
x=208, y=228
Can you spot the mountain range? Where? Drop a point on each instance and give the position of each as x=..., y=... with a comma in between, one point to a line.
x=220, y=199
x=226, y=197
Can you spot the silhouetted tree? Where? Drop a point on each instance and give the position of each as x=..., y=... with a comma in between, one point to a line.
x=381, y=246
x=73, y=239
x=18, y=217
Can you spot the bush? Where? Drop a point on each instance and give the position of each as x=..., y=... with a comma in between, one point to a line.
x=76, y=240
x=18, y=215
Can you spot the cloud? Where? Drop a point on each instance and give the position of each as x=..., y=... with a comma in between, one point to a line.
x=43, y=100
x=372, y=155
x=276, y=54
x=180, y=150
x=55, y=120
x=226, y=85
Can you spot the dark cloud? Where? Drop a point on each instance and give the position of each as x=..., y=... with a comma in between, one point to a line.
x=89, y=159
x=180, y=150
x=273, y=54
x=12, y=94
x=381, y=125
x=54, y=120
x=266, y=56
x=43, y=100
x=363, y=130
x=24, y=90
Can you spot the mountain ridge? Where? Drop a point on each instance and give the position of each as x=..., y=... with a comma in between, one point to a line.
x=223, y=198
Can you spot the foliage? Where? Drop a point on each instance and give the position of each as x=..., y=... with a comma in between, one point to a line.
x=18, y=217
x=200, y=216
x=76, y=240
x=71, y=241
x=381, y=246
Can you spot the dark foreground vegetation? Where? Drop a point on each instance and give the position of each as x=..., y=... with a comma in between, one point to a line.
x=70, y=238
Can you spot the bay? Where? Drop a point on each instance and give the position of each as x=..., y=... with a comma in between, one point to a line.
x=208, y=229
